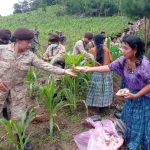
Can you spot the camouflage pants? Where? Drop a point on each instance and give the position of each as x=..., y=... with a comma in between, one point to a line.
x=15, y=100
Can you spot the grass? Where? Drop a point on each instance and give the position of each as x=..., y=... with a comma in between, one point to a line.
x=75, y=118
x=73, y=27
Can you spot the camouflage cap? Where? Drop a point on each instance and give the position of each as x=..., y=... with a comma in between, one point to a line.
x=23, y=34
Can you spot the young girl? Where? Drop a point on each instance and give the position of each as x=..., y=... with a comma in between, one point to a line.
x=135, y=69
x=101, y=88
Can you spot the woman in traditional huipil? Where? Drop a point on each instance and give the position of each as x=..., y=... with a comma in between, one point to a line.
x=134, y=68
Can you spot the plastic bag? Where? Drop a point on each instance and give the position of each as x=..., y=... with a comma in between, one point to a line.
x=103, y=137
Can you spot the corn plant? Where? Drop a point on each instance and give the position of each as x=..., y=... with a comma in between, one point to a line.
x=108, y=41
x=16, y=130
x=31, y=79
x=53, y=104
x=74, y=89
x=79, y=60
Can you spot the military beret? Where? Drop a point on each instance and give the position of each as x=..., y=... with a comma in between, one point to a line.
x=23, y=34
x=5, y=34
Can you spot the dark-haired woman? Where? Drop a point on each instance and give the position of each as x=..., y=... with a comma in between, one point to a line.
x=101, y=87
x=134, y=68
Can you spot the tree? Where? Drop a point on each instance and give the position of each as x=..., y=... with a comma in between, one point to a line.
x=25, y=6
x=17, y=8
x=91, y=8
x=140, y=9
x=35, y=4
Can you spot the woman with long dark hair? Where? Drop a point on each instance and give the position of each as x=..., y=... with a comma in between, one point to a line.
x=101, y=87
x=134, y=68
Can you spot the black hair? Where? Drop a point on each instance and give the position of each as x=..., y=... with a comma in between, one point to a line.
x=13, y=39
x=54, y=38
x=99, y=40
x=103, y=32
x=119, y=34
x=126, y=30
x=135, y=42
x=5, y=36
x=113, y=37
x=130, y=23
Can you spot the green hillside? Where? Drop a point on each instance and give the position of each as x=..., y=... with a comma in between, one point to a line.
x=73, y=27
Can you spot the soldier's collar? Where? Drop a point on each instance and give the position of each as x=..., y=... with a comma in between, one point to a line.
x=26, y=52
x=11, y=47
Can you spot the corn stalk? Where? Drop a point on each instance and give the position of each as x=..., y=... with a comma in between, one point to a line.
x=53, y=104
x=17, y=130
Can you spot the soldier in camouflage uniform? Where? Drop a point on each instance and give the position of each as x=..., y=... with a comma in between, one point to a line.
x=55, y=54
x=35, y=41
x=5, y=36
x=15, y=60
x=55, y=51
x=83, y=46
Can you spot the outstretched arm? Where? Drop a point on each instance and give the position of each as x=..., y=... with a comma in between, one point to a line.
x=50, y=68
x=93, y=69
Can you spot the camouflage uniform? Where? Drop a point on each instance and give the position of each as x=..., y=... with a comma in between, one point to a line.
x=56, y=57
x=82, y=47
x=35, y=41
x=13, y=71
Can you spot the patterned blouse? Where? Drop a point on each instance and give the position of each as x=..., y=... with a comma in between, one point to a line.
x=137, y=78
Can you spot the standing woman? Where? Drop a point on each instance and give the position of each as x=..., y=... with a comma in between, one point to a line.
x=101, y=87
x=134, y=67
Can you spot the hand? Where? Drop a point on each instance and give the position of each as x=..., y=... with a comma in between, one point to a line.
x=81, y=69
x=3, y=87
x=45, y=58
x=130, y=96
x=70, y=72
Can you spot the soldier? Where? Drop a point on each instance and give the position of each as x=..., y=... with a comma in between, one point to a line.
x=35, y=41
x=83, y=46
x=5, y=36
x=55, y=54
x=55, y=51
x=15, y=60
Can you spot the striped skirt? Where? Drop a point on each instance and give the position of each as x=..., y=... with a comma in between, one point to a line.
x=136, y=116
x=100, y=92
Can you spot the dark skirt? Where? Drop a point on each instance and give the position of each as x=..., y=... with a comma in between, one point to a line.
x=100, y=90
x=136, y=116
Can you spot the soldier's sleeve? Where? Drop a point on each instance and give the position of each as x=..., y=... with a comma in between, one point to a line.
x=2, y=48
x=78, y=48
x=47, y=53
x=81, y=48
x=60, y=56
x=61, y=53
x=46, y=66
